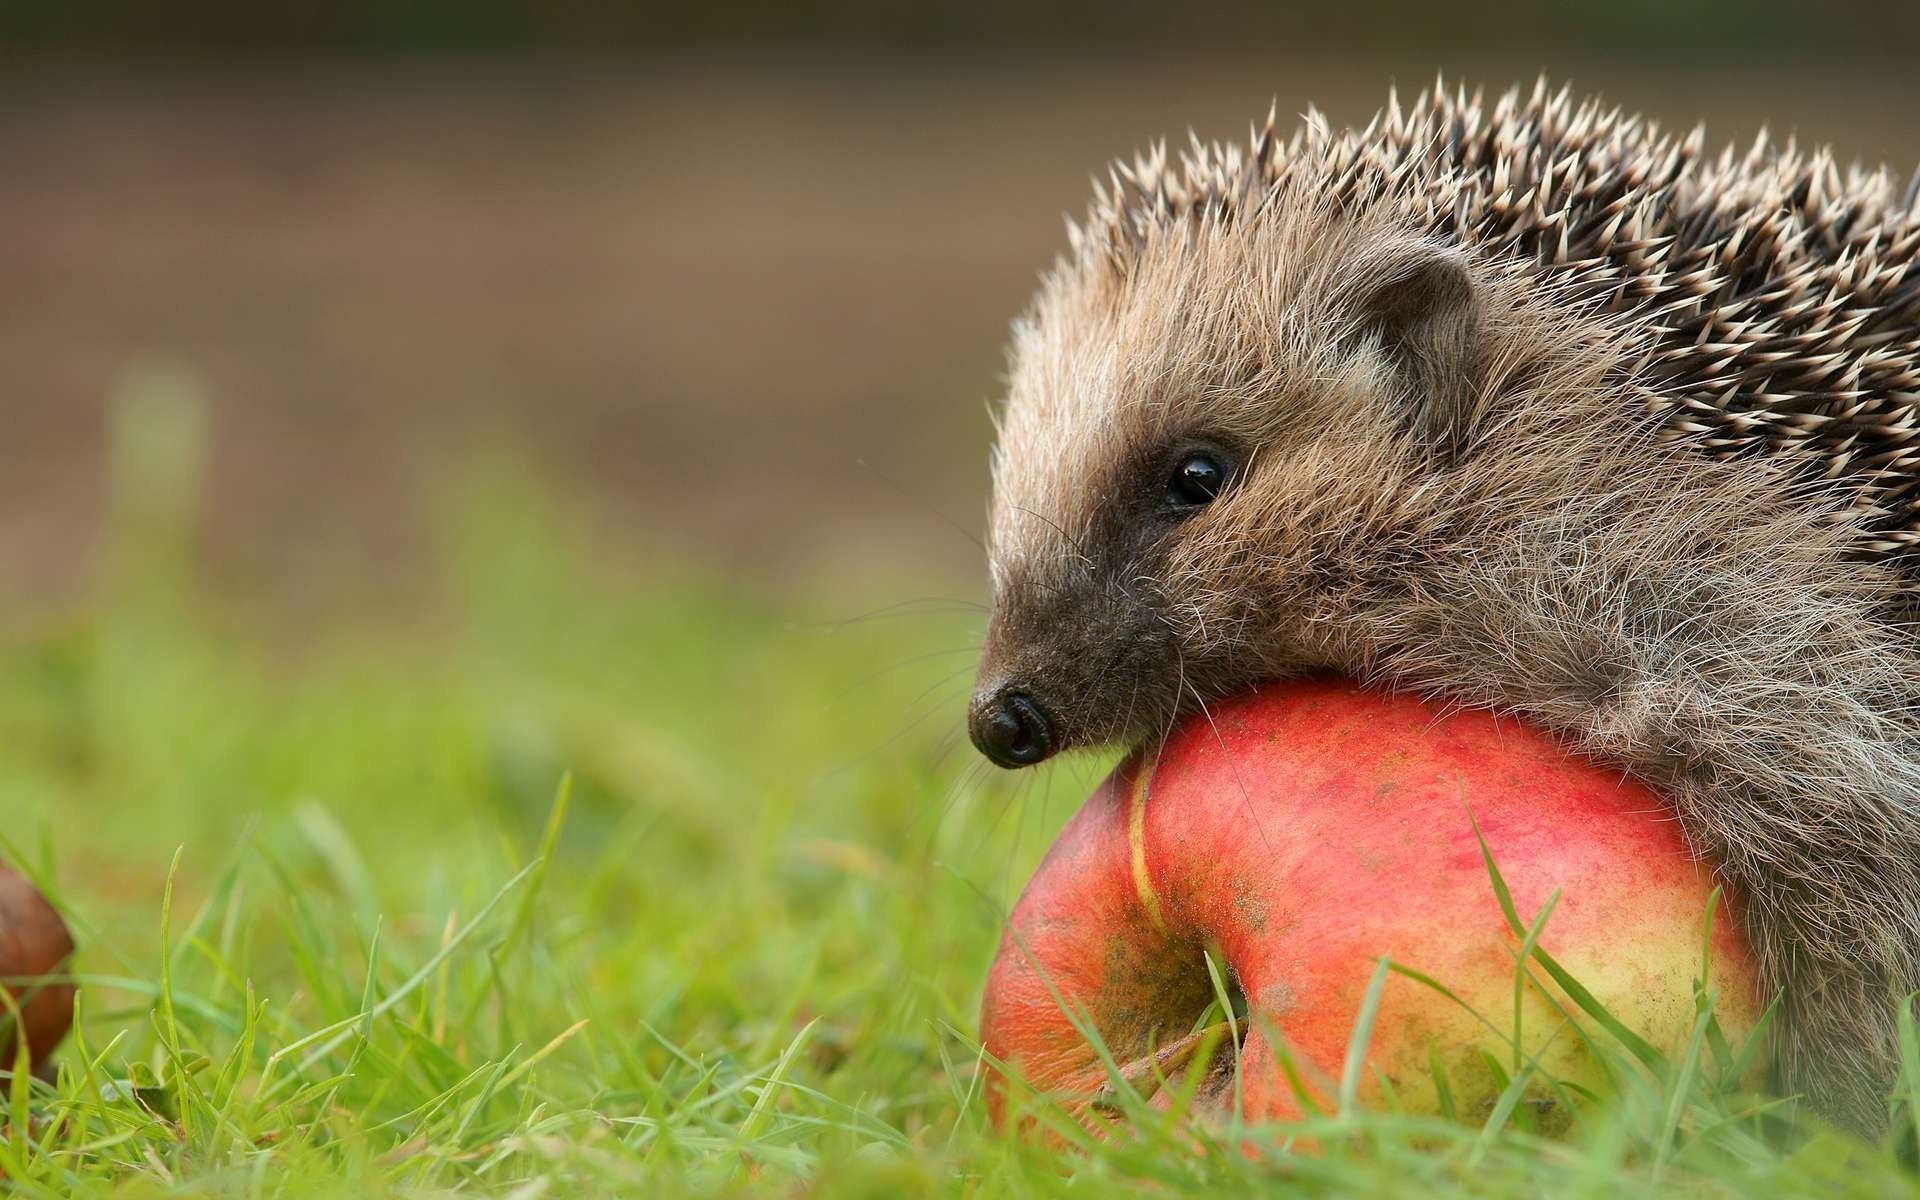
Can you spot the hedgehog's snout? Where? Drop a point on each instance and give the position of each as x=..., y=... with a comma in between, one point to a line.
x=1012, y=728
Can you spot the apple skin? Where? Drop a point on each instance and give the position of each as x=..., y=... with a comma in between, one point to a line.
x=33, y=941
x=1305, y=831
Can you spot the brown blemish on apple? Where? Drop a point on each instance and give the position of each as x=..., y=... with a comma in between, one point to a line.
x=1250, y=905
x=1147, y=994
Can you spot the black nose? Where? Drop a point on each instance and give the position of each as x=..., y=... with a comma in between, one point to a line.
x=1012, y=729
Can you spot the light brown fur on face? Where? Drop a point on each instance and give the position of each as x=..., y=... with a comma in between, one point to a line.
x=1534, y=410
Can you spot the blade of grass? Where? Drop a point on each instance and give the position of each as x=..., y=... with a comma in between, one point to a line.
x=549, y=841
x=1520, y=977
x=1223, y=999
x=1585, y=1000
x=1361, y=1037
x=331, y=1036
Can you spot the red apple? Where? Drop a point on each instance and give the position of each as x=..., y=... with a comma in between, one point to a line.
x=33, y=942
x=1309, y=829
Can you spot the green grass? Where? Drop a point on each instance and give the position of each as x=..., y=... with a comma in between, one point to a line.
x=609, y=880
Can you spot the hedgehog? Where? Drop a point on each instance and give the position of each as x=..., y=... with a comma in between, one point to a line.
x=1531, y=407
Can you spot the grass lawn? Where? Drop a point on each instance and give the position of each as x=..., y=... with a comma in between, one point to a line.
x=348, y=930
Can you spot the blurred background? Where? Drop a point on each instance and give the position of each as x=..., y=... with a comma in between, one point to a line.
x=598, y=377
x=404, y=404
x=733, y=276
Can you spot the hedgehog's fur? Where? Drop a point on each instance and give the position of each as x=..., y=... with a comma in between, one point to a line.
x=1540, y=410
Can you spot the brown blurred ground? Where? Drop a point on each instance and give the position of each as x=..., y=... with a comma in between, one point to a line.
x=702, y=291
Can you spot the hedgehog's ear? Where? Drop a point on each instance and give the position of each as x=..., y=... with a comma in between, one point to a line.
x=1419, y=301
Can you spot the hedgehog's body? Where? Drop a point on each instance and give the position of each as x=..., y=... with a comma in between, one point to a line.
x=1534, y=409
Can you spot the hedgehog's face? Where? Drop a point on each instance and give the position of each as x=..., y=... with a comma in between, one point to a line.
x=1175, y=446
x=1091, y=639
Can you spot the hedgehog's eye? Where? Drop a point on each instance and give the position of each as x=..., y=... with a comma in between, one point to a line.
x=1197, y=478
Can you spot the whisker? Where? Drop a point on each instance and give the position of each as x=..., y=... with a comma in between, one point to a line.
x=919, y=606
x=1072, y=542
x=1015, y=795
x=968, y=779
x=913, y=723
x=911, y=660
x=1020, y=829
x=1233, y=764
x=958, y=528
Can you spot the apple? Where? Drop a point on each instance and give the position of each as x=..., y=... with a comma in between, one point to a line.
x=34, y=942
x=1304, y=831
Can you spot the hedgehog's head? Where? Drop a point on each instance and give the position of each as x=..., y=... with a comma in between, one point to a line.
x=1199, y=407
